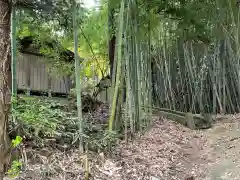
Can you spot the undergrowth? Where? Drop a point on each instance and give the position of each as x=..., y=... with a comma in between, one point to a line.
x=16, y=164
x=46, y=122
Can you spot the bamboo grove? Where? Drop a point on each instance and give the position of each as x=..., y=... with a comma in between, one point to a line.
x=174, y=64
x=132, y=71
x=197, y=76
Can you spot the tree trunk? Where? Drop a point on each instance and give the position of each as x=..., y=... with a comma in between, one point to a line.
x=5, y=81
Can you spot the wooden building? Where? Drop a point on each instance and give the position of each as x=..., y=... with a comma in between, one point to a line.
x=32, y=71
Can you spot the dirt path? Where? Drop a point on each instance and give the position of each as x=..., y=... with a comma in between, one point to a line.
x=224, y=140
x=167, y=151
x=172, y=152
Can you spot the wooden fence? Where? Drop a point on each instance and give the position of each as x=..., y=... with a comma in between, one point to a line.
x=32, y=75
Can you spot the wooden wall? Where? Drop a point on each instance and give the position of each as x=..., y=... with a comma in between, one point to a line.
x=32, y=74
x=105, y=95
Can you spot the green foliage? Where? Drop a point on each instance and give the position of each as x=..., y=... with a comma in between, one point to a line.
x=100, y=139
x=55, y=12
x=14, y=171
x=96, y=22
x=92, y=45
x=47, y=29
x=109, y=139
x=39, y=118
x=16, y=165
x=17, y=141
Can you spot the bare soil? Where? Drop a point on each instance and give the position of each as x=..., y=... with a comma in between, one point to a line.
x=224, y=140
x=168, y=151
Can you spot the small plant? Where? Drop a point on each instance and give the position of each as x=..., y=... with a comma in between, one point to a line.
x=17, y=141
x=14, y=171
x=16, y=165
x=103, y=141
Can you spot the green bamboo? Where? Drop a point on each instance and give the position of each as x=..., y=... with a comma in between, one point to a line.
x=149, y=80
x=77, y=76
x=128, y=107
x=136, y=61
x=118, y=68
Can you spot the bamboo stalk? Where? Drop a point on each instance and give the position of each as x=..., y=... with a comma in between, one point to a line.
x=77, y=77
x=118, y=70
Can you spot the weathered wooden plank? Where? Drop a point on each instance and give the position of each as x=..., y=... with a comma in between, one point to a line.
x=32, y=74
x=192, y=121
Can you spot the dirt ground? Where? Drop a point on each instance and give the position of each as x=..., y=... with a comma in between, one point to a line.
x=172, y=152
x=224, y=141
x=168, y=151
